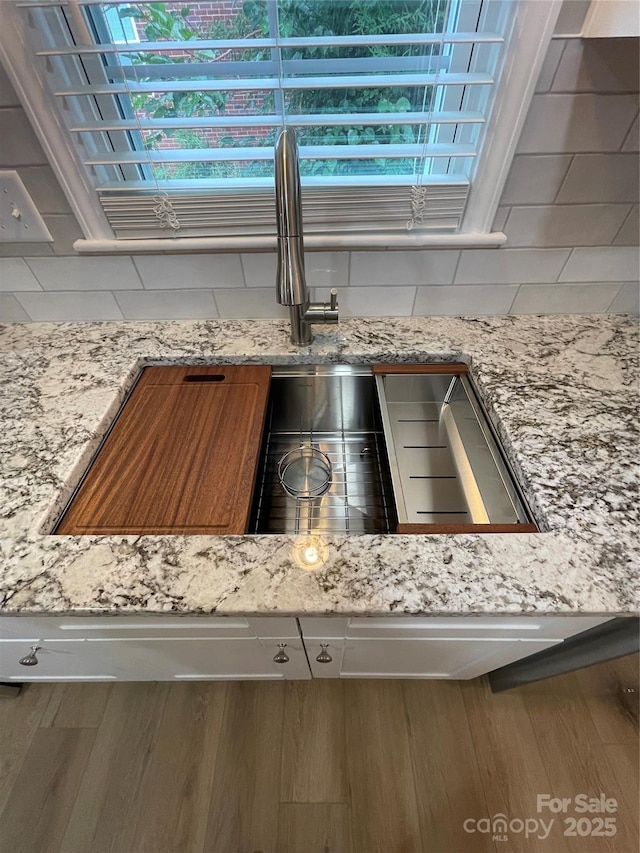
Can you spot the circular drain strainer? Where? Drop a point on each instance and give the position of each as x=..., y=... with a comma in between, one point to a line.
x=305, y=473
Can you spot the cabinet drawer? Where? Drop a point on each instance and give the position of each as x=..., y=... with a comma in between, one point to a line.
x=112, y=627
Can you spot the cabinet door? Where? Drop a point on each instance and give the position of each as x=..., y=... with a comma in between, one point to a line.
x=455, y=659
x=153, y=660
x=429, y=647
x=182, y=456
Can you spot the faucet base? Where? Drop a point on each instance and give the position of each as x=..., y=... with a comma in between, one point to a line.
x=301, y=333
x=302, y=316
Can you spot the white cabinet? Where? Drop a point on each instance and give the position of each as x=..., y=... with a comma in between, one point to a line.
x=199, y=648
x=429, y=647
x=151, y=648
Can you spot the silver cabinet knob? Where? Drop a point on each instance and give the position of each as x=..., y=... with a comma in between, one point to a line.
x=282, y=656
x=30, y=659
x=324, y=656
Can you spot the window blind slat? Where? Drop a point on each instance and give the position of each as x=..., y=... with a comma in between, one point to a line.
x=308, y=152
x=288, y=68
x=271, y=83
x=316, y=120
x=245, y=186
x=390, y=40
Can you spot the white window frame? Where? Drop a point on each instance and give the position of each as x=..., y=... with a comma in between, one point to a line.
x=533, y=28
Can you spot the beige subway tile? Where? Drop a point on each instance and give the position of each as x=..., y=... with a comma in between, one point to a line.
x=602, y=263
x=65, y=231
x=260, y=268
x=628, y=299
x=632, y=142
x=433, y=266
x=167, y=304
x=8, y=97
x=565, y=225
x=535, y=178
x=18, y=143
x=25, y=250
x=509, y=266
x=16, y=275
x=85, y=273
x=629, y=233
x=75, y=306
x=461, y=299
x=43, y=187
x=191, y=271
x=601, y=178
x=550, y=65
x=250, y=303
x=564, y=298
x=11, y=311
x=573, y=123
x=598, y=65
x=392, y=301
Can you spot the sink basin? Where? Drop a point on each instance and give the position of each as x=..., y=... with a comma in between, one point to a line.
x=334, y=408
x=355, y=449
x=408, y=453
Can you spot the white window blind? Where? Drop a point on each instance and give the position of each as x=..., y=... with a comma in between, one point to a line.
x=173, y=108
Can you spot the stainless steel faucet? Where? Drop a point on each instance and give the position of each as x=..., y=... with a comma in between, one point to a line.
x=291, y=284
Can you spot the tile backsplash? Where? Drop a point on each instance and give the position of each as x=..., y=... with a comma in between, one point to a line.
x=569, y=209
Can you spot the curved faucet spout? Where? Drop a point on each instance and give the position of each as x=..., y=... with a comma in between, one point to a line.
x=291, y=283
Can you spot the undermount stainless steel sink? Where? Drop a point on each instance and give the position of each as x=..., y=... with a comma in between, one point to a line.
x=404, y=452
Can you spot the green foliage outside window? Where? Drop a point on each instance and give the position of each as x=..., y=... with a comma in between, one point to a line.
x=164, y=21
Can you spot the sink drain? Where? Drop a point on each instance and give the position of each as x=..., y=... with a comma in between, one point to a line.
x=305, y=472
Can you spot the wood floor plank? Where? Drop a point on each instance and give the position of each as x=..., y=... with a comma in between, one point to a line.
x=77, y=705
x=36, y=813
x=243, y=812
x=511, y=767
x=614, y=712
x=20, y=717
x=313, y=748
x=447, y=778
x=104, y=815
x=205, y=767
x=314, y=828
x=625, y=763
x=383, y=797
x=575, y=759
x=176, y=789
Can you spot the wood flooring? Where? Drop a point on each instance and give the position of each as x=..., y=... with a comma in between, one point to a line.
x=322, y=766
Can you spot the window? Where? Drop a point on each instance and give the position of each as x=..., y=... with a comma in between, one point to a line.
x=170, y=110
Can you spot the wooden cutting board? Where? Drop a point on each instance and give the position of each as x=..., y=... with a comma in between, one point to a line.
x=181, y=458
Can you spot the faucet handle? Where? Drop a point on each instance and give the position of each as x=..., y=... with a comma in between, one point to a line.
x=333, y=304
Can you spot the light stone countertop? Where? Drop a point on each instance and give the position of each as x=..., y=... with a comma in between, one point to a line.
x=562, y=392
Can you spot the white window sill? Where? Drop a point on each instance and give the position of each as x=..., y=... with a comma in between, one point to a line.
x=312, y=241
